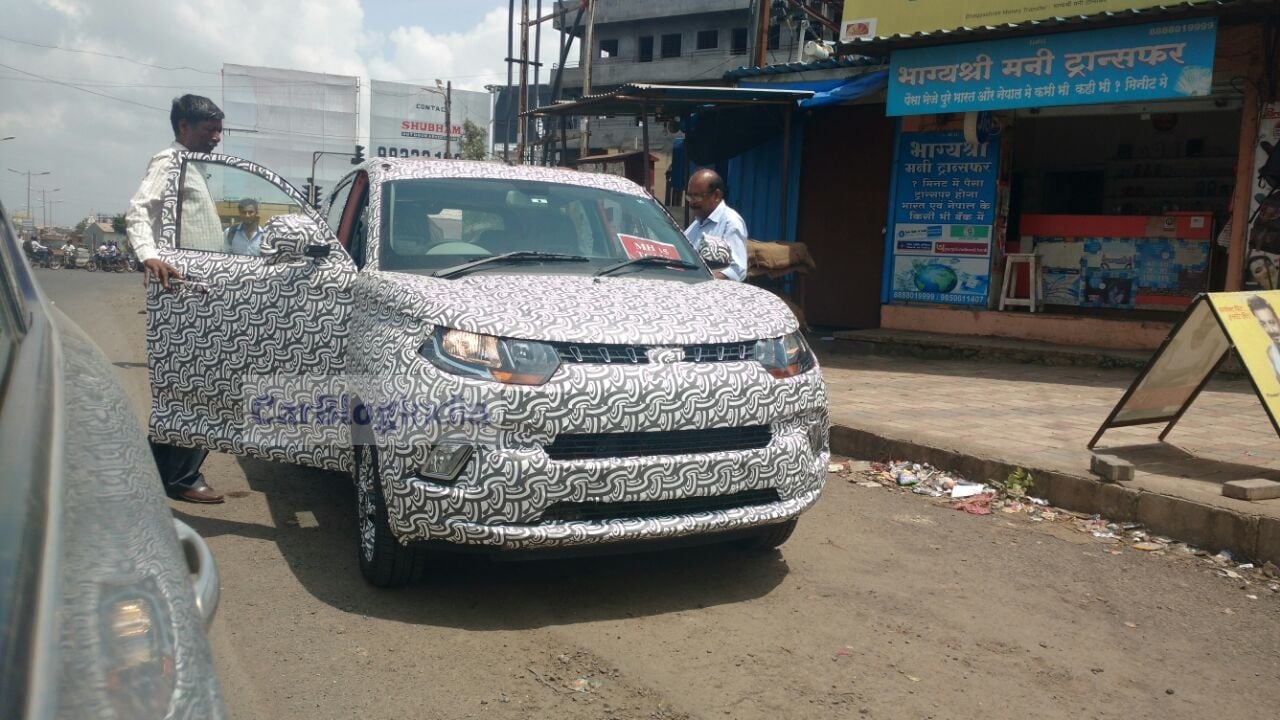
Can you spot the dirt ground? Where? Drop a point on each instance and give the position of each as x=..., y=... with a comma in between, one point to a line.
x=881, y=605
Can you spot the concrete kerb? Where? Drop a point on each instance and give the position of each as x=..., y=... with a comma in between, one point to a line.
x=1249, y=537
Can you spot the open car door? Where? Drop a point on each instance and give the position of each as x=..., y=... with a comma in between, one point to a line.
x=247, y=353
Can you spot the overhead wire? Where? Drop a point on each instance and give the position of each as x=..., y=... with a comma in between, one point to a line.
x=107, y=55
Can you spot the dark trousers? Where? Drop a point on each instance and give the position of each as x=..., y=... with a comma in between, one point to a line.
x=179, y=466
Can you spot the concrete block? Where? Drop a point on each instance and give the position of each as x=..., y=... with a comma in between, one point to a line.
x=1111, y=468
x=1255, y=489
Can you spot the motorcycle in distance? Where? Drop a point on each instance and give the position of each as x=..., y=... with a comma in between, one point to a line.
x=39, y=258
x=67, y=261
x=107, y=262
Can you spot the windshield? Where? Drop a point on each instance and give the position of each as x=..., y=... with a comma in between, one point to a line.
x=436, y=223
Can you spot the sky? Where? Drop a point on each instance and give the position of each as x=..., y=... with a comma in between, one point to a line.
x=85, y=85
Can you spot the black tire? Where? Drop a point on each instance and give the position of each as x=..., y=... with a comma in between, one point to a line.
x=92, y=264
x=384, y=562
x=770, y=536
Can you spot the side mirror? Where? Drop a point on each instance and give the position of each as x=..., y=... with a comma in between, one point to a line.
x=715, y=252
x=289, y=238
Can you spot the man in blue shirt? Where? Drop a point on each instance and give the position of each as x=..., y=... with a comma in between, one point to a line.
x=716, y=222
x=245, y=237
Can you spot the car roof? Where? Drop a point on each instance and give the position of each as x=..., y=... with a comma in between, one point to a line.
x=383, y=169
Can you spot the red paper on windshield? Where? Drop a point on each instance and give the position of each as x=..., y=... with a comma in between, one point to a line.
x=638, y=247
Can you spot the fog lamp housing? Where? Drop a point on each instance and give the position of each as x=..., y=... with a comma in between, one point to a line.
x=445, y=461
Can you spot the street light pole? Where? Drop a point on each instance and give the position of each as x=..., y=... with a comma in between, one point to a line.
x=29, y=173
x=445, y=90
x=44, y=204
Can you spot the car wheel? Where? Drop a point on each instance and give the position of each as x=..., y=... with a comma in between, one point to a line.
x=770, y=537
x=384, y=561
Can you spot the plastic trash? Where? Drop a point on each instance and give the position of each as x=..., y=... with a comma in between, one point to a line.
x=965, y=490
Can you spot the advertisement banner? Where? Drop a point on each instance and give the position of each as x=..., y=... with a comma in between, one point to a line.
x=280, y=118
x=1252, y=320
x=865, y=19
x=944, y=210
x=1175, y=375
x=941, y=279
x=1180, y=369
x=409, y=120
x=1123, y=64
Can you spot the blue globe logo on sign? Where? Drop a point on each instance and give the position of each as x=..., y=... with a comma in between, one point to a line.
x=936, y=278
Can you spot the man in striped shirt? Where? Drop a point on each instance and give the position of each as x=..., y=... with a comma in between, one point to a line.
x=197, y=127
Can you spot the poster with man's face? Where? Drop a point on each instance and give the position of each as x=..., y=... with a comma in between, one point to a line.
x=1252, y=320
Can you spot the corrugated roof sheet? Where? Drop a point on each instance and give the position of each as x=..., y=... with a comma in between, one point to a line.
x=848, y=61
x=669, y=99
x=964, y=34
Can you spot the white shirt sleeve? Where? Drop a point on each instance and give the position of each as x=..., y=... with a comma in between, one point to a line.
x=735, y=233
x=143, y=218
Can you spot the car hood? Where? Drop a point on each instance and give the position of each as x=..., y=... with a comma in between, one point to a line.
x=580, y=309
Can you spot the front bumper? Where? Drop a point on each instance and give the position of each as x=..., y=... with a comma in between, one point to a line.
x=507, y=498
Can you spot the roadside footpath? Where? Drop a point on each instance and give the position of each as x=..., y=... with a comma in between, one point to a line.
x=984, y=418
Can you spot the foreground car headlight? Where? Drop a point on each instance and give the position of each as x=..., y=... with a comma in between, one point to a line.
x=505, y=360
x=786, y=356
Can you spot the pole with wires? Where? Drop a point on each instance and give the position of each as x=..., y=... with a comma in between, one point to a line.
x=521, y=140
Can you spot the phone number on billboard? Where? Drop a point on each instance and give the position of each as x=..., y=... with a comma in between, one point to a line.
x=395, y=152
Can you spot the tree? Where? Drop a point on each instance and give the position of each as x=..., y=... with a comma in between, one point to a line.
x=118, y=225
x=80, y=226
x=475, y=142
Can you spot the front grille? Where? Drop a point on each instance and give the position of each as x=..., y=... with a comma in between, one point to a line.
x=597, y=511
x=569, y=446
x=586, y=354
x=719, y=352
x=602, y=354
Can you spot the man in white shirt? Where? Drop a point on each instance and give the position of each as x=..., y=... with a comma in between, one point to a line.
x=197, y=127
x=39, y=250
x=716, y=222
x=245, y=237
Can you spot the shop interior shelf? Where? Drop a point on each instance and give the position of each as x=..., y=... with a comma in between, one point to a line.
x=1177, y=159
x=1201, y=198
x=1173, y=178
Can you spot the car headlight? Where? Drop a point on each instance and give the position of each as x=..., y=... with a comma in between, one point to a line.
x=786, y=356
x=504, y=360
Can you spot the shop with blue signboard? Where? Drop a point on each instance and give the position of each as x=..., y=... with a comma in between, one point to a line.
x=1110, y=154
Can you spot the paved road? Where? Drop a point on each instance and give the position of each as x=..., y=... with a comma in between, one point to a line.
x=881, y=605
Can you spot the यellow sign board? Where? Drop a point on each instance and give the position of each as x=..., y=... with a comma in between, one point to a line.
x=1162, y=61
x=1215, y=323
x=866, y=19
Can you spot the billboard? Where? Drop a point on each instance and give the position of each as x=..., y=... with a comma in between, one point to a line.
x=280, y=118
x=943, y=213
x=1161, y=61
x=408, y=120
x=1249, y=322
x=866, y=19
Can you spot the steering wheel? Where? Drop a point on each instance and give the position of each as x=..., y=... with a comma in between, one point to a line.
x=456, y=247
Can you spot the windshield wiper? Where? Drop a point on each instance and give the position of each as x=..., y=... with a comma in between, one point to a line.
x=656, y=261
x=518, y=256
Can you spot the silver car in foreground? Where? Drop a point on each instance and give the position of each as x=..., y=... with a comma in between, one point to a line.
x=104, y=596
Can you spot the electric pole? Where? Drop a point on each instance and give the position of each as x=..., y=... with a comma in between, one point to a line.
x=588, y=52
x=29, y=173
x=524, y=80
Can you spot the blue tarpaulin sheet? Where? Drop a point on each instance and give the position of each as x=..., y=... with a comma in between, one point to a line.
x=830, y=92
